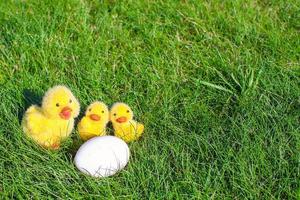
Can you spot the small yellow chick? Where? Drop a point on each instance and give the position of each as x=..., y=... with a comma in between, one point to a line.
x=54, y=120
x=94, y=122
x=124, y=126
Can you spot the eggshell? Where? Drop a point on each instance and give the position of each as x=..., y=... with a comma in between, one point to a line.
x=102, y=156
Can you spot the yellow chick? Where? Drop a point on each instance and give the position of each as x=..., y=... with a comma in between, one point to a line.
x=94, y=122
x=124, y=126
x=54, y=120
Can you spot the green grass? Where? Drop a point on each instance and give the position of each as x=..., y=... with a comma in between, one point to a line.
x=217, y=85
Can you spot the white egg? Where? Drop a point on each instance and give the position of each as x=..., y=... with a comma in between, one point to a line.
x=102, y=156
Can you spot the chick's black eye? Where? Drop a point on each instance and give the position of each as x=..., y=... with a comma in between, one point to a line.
x=102, y=111
x=70, y=101
x=115, y=114
x=127, y=111
x=57, y=105
x=90, y=109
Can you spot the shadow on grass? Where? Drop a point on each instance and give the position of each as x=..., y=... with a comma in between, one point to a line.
x=30, y=98
x=76, y=143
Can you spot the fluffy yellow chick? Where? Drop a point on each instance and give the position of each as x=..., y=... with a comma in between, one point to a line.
x=94, y=122
x=124, y=126
x=54, y=120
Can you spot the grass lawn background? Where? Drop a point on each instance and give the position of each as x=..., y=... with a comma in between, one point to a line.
x=216, y=84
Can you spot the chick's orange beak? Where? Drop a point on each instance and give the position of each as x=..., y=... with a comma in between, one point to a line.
x=121, y=119
x=95, y=117
x=65, y=113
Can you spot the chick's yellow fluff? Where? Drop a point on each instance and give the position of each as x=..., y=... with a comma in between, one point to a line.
x=54, y=120
x=124, y=126
x=94, y=122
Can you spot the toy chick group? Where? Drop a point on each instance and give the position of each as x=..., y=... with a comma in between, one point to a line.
x=53, y=121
